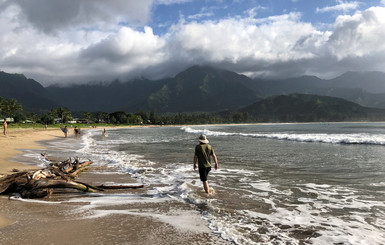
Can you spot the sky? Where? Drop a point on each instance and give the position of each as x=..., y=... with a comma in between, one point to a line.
x=80, y=41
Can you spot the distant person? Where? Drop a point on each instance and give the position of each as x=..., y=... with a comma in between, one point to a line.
x=46, y=126
x=104, y=132
x=76, y=131
x=5, y=125
x=65, y=131
x=203, y=153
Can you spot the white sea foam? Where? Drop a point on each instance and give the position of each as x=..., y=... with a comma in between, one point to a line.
x=354, y=138
x=19, y=198
x=334, y=213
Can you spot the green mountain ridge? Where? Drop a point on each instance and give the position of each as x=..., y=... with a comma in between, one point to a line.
x=31, y=94
x=200, y=89
x=310, y=108
x=352, y=86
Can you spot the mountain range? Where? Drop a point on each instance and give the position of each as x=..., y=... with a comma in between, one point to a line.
x=197, y=89
x=31, y=94
x=310, y=108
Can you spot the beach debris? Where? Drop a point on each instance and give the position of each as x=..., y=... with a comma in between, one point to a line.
x=40, y=183
x=120, y=186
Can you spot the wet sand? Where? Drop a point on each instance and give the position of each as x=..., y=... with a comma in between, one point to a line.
x=56, y=220
x=13, y=144
x=19, y=139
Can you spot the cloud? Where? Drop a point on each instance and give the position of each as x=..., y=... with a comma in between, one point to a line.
x=200, y=15
x=359, y=35
x=54, y=15
x=170, y=2
x=127, y=51
x=281, y=46
x=340, y=7
x=275, y=46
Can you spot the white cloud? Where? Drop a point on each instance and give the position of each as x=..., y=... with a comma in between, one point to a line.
x=340, y=7
x=359, y=35
x=285, y=46
x=127, y=51
x=170, y=2
x=200, y=15
x=277, y=46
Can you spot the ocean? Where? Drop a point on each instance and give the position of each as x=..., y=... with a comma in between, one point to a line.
x=316, y=183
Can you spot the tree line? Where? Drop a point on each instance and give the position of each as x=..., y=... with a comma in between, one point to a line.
x=13, y=109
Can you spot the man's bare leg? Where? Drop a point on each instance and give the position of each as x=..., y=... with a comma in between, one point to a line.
x=206, y=186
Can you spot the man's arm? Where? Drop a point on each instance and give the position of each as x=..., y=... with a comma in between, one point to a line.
x=195, y=162
x=215, y=160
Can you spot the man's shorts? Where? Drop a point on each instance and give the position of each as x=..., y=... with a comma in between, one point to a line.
x=203, y=172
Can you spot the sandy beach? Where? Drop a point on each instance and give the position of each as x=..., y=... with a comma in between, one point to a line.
x=55, y=220
x=12, y=144
x=18, y=139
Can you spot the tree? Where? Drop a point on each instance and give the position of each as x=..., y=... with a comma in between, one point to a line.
x=134, y=119
x=19, y=117
x=33, y=116
x=63, y=113
x=143, y=115
x=47, y=119
x=10, y=107
x=103, y=116
x=119, y=116
x=155, y=118
x=88, y=116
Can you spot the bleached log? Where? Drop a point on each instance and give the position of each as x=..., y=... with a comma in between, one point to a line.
x=120, y=186
x=54, y=183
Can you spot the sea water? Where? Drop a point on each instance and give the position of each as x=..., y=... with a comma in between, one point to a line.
x=318, y=183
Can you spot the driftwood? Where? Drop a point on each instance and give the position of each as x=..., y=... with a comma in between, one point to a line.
x=120, y=186
x=40, y=183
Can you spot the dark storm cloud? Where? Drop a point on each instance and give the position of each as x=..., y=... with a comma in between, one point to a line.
x=54, y=15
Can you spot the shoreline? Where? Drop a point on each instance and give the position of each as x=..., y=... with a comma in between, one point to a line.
x=22, y=221
x=18, y=140
x=13, y=144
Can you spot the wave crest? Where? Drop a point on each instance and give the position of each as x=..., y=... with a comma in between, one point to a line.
x=364, y=138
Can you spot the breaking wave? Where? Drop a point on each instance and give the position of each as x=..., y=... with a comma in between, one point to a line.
x=356, y=138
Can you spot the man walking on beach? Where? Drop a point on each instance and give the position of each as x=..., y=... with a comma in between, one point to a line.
x=203, y=152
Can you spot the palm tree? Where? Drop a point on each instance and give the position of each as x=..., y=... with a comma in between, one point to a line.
x=88, y=116
x=10, y=107
x=63, y=113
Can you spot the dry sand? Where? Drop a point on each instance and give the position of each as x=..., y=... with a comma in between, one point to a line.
x=18, y=139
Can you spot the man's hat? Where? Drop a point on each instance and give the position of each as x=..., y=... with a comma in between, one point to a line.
x=203, y=139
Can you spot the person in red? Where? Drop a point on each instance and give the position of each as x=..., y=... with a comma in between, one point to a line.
x=203, y=154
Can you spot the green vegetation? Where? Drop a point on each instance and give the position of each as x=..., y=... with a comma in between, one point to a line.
x=283, y=108
x=310, y=108
x=9, y=108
